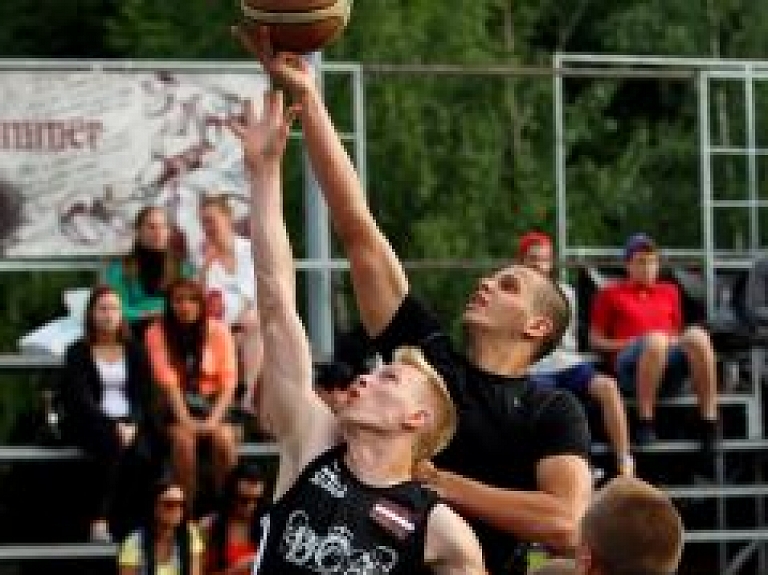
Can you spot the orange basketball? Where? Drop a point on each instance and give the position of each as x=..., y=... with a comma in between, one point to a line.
x=298, y=26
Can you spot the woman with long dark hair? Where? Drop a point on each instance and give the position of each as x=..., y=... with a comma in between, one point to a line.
x=193, y=361
x=143, y=275
x=105, y=395
x=167, y=543
x=231, y=533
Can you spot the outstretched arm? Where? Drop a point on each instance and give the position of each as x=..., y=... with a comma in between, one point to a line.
x=288, y=405
x=378, y=277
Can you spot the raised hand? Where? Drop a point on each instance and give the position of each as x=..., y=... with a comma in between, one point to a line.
x=264, y=137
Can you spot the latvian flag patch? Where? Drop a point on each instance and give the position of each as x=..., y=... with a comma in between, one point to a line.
x=393, y=518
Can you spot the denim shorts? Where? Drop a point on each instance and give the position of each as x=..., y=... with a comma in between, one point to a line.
x=575, y=379
x=672, y=380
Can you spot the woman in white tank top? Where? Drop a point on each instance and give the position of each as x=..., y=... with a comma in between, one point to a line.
x=105, y=397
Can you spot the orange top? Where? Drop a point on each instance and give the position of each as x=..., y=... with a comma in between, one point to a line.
x=218, y=367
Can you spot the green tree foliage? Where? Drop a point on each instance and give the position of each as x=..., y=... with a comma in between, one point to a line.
x=55, y=28
x=173, y=29
x=459, y=166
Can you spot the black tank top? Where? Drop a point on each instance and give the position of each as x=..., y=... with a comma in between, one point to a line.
x=328, y=522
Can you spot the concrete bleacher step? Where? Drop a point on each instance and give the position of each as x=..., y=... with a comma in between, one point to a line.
x=717, y=491
x=687, y=400
x=32, y=453
x=25, y=361
x=690, y=446
x=58, y=551
x=21, y=453
x=37, y=552
x=749, y=402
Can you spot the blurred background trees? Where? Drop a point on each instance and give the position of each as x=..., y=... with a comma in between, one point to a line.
x=459, y=166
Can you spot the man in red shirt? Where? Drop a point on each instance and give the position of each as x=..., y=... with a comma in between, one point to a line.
x=638, y=322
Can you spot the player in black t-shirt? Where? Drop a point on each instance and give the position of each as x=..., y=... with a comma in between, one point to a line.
x=345, y=497
x=518, y=465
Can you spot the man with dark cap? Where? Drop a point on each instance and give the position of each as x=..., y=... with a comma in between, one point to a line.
x=638, y=322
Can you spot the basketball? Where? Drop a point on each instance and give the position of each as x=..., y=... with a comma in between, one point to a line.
x=298, y=26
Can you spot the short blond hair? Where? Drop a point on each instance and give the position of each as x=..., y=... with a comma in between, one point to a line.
x=633, y=527
x=439, y=433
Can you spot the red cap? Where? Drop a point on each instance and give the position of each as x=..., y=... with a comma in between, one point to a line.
x=530, y=239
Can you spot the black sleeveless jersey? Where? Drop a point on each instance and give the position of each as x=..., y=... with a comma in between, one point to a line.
x=329, y=522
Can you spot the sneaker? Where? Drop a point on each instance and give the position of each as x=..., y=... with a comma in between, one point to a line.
x=100, y=532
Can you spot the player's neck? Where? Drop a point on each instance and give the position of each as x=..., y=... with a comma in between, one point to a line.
x=377, y=462
x=499, y=356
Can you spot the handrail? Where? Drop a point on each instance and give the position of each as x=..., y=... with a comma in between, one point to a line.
x=58, y=551
x=724, y=535
x=685, y=446
x=30, y=361
x=31, y=453
x=716, y=491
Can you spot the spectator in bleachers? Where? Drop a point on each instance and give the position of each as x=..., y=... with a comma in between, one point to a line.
x=630, y=528
x=193, y=361
x=638, y=323
x=567, y=369
x=225, y=266
x=142, y=276
x=517, y=467
x=556, y=567
x=231, y=534
x=105, y=398
x=167, y=543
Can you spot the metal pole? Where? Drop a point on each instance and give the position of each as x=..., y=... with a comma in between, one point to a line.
x=562, y=222
x=319, y=296
x=706, y=191
x=749, y=97
x=359, y=129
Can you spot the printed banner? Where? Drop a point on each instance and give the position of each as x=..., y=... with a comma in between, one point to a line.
x=82, y=152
